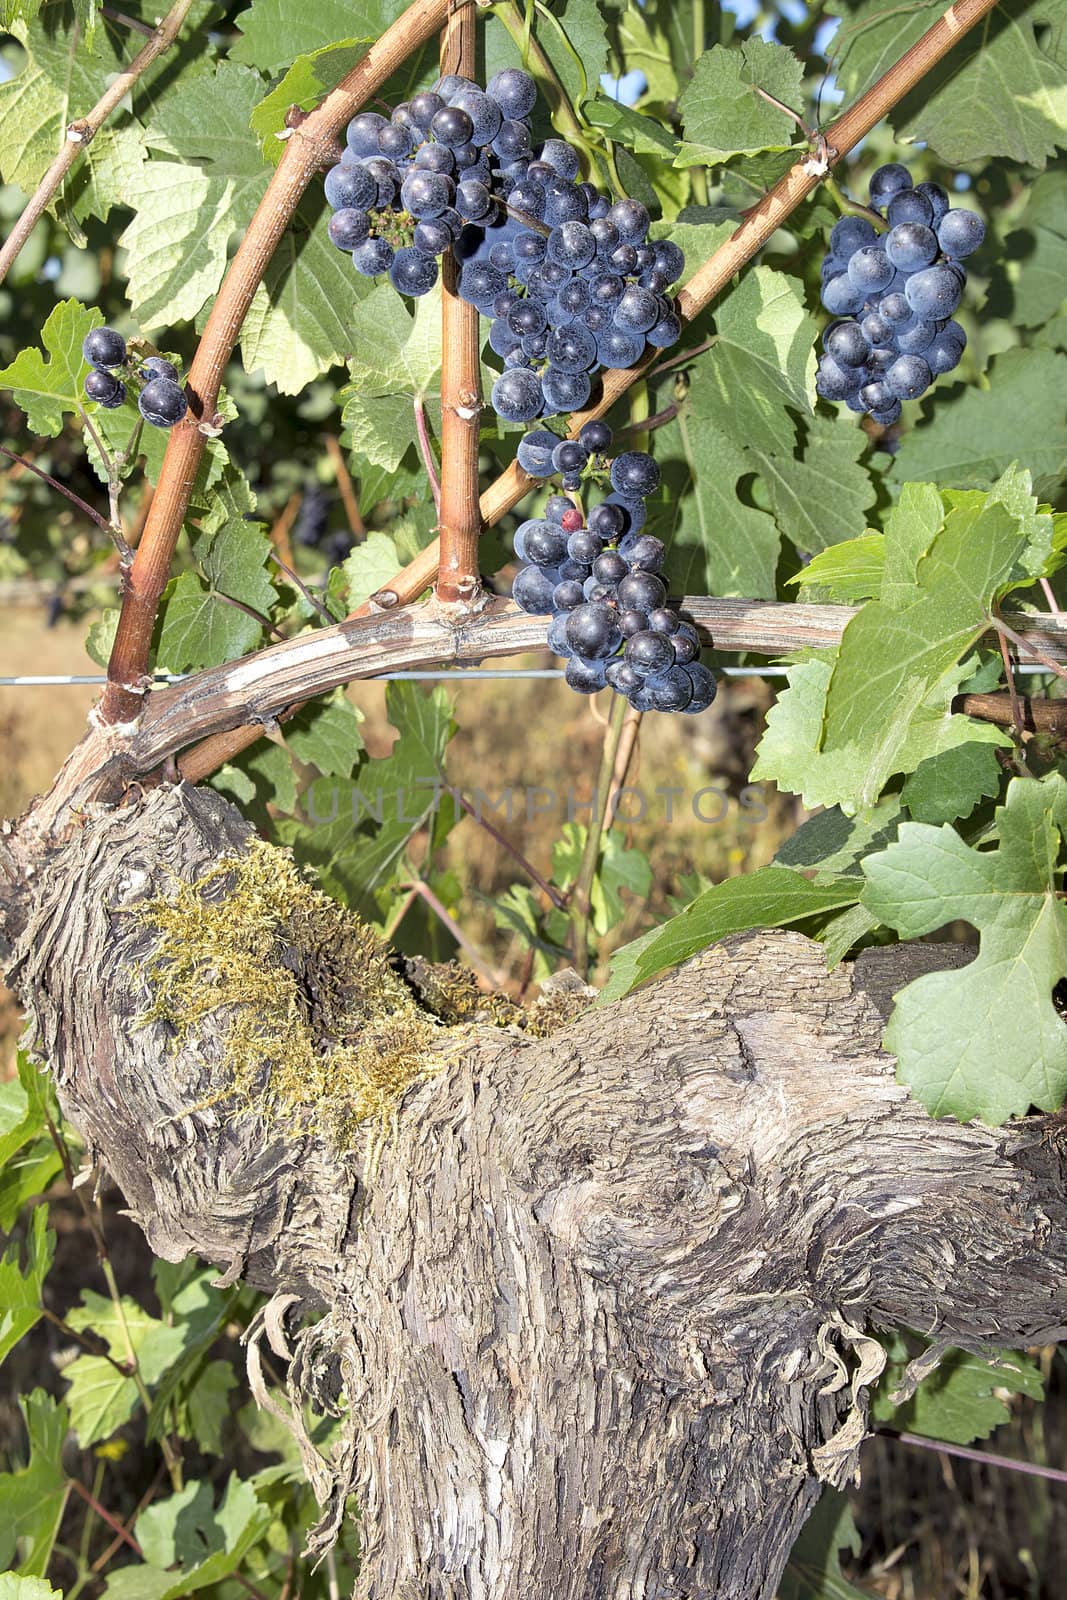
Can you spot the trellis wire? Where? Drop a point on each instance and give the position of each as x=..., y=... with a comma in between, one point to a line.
x=161, y=679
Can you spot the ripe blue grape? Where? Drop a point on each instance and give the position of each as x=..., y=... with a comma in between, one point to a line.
x=584, y=676
x=908, y=205
x=349, y=228
x=564, y=391
x=412, y=272
x=162, y=403
x=571, y=349
x=935, y=292
x=156, y=367
x=704, y=687
x=908, y=378
x=572, y=245
x=960, y=233
x=534, y=454
x=592, y=631
x=649, y=652
x=911, y=245
x=847, y=344
x=532, y=591
x=103, y=347
x=635, y=473
x=516, y=395
x=452, y=127
x=103, y=387
x=596, y=436
x=888, y=181
x=373, y=257
x=514, y=91
x=350, y=186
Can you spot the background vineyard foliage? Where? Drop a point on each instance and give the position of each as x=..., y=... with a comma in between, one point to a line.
x=759, y=478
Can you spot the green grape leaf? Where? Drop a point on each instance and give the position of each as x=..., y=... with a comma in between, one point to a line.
x=722, y=114
x=21, y=1288
x=24, y=1102
x=327, y=735
x=830, y=845
x=986, y=1040
x=721, y=546
x=373, y=563
x=93, y=187
x=961, y=1400
x=59, y=82
x=275, y=37
x=397, y=357
x=25, y=1177
x=975, y=434
x=641, y=135
x=199, y=628
x=762, y=361
x=813, y=1571
x=301, y=317
x=204, y=1407
x=233, y=551
x=47, y=384
x=102, y=1397
x=771, y=897
x=13, y=1587
x=948, y=787
x=880, y=703
x=840, y=933
x=644, y=47
x=844, y=574
x=618, y=868
x=32, y=1499
x=308, y=79
x=821, y=497
x=185, y=214
x=209, y=1543
x=1037, y=270
x=1005, y=68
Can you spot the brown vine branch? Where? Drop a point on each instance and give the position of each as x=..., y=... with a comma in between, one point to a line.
x=459, y=521
x=80, y=133
x=261, y=687
x=304, y=153
x=53, y=483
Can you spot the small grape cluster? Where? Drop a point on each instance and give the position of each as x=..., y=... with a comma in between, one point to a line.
x=407, y=185
x=571, y=281
x=894, y=293
x=597, y=576
x=161, y=398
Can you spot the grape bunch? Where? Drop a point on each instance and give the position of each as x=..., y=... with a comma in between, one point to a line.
x=572, y=284
x=597, y=576
x=407, y=185
x=161, y=398
x=893, y=293
x=571, y=281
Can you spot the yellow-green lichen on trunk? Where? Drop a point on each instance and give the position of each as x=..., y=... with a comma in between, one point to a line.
x=317, y=1026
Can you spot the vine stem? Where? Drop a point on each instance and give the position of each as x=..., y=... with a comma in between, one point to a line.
x=581, y=906
x=138, y=614
x=307, y=149
x=459, y=519
x=81, y=133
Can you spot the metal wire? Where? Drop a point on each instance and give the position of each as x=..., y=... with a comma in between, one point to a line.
x=88, y=679
x=44, y=681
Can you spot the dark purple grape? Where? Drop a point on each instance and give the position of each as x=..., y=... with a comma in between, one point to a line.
x=641, y=591
x=959, y=233
x=637, y=309
x=649, y=652
x=514, y=91
x=157, y=367
x=532, y=590
x=584, y=676
x=568, y=594
x=908, y=378
x=623, y=677
x=545, y=543
x=686, y=643
x=592, y=631
x=704, y=688
x=634, y=473
x=516, y=396
x=162, y=403
x=103, y=387
x=610, y=568
x=484, y=112
x=534, y=453
x=413, y=272
x=373, y=257
x=569, y=456
x=631, y=219
x=908, y=205
x=663, y=620
x=631, y=622
x=452, y=127
x=103, y=348
x=671, y=690
x=350, y=186
x=423, y=107
x=349, y=228
x=596, y=436
x=846, y=344
x=564, y=391
x=362, y=133
x=584, y=545
x=888, y=181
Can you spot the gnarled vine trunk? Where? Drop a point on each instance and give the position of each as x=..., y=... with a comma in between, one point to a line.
x=608, y=1310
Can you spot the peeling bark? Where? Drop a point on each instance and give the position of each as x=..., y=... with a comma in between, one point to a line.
x=608, y=1311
